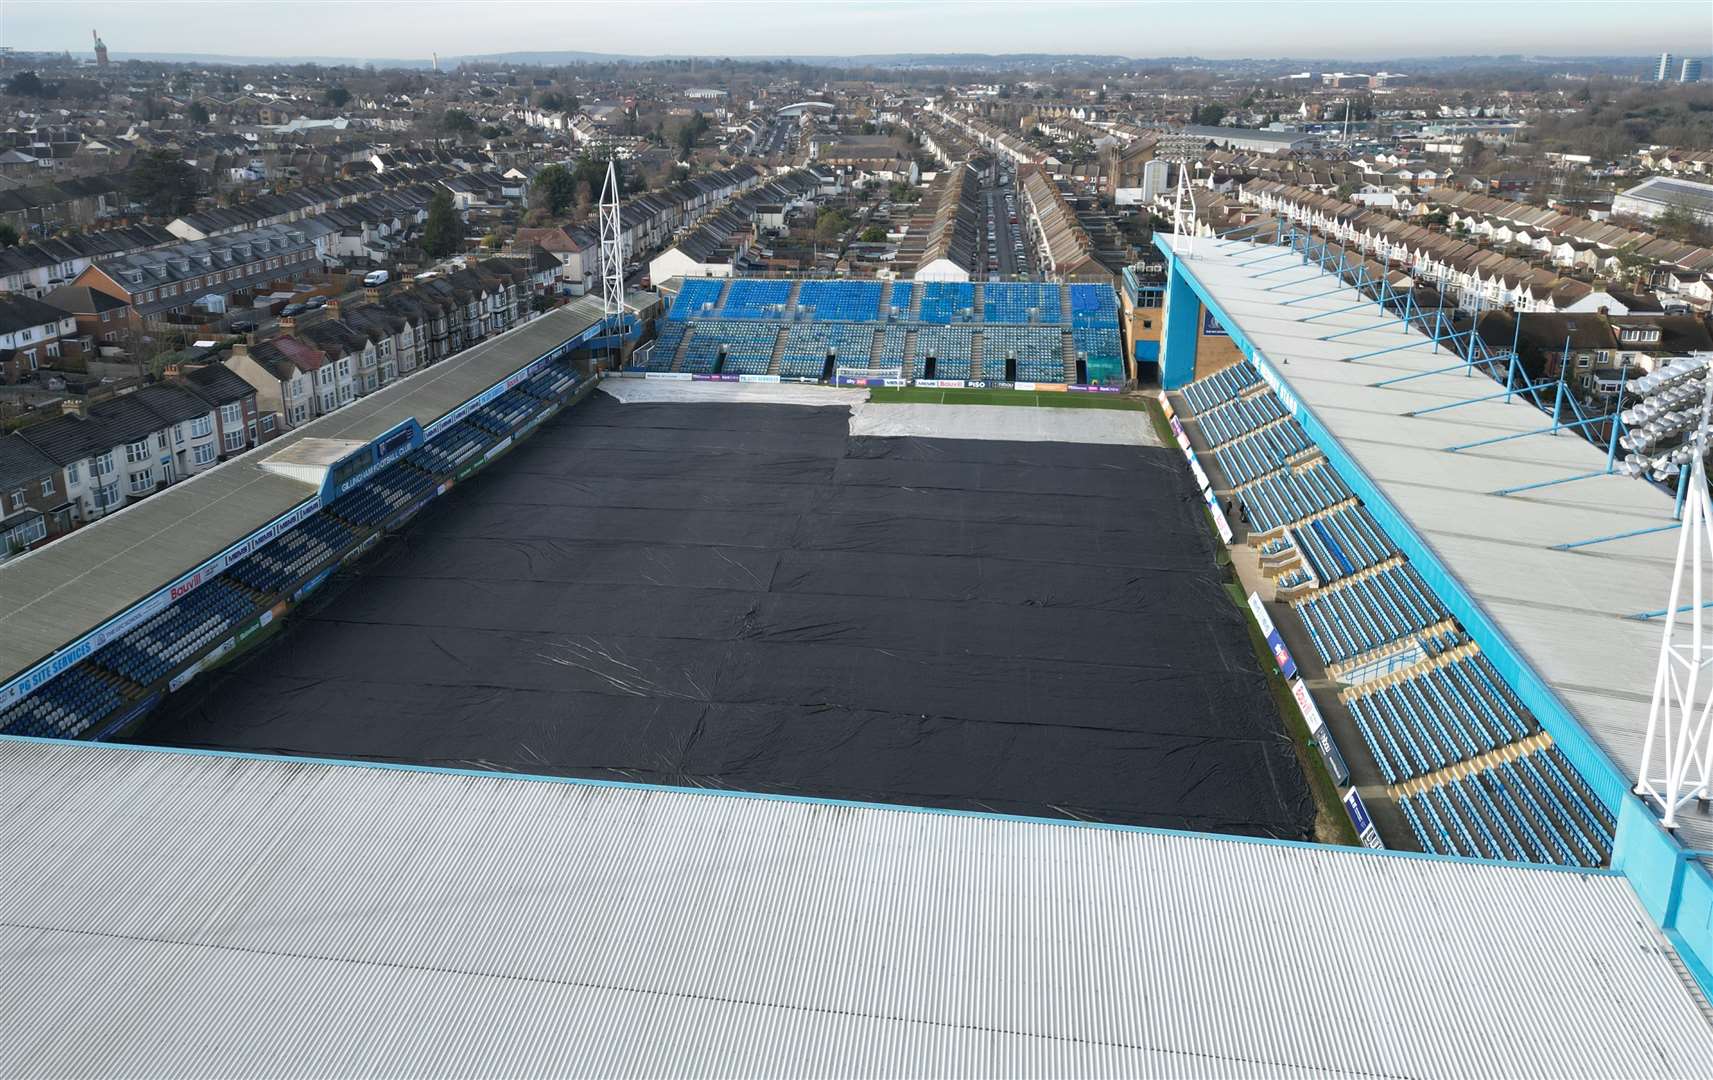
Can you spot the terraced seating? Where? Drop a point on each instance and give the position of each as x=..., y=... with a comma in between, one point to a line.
x=1101, y=352
x=1290, y=495
x=950, y=346
x=1361, y=614
x=902, y=293
x=63, y=707
x=942, y=301
x=293, y=556
x=503, y=415
x=1343, y=542
x=1256, y=455
x=176, y=634
x=892, y=343
x=1532, y=809
x=1222, y=386
x=1237, y=417
x=666, y=343
x=1021, y=302
x=442, y=455
x=843, y=301
x=747, y=347
x=807, y=346
x=1039, y=352
x=383, y=496
x=1093, y=304
x=550, y=384
x=696, y=297
x=756, y=298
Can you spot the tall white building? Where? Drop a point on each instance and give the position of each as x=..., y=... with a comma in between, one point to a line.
x=1664, y=71
x=1691, y=71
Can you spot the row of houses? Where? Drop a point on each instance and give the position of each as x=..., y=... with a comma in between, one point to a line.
x=1064, y=245
x=85, y=464
x=1470, y=275
x=719, y=242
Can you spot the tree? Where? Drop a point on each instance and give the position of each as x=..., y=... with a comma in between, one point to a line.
x=442, y=234
x=551, y=101
x=198, y=113
x=554, y=189
x=457, y=122
x=164, y=183
x=336, y=96
x=830, y=225
x=874, y=234
x=26, y=84
x=8, y=235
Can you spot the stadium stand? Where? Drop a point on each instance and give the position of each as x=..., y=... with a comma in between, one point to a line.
x=1472, y=772
x=948, y=347
x=666, y=343
x=944, y=301
x=892, y=341
x=292, y=557
x=65, y=707
x=898, y=304
x=807, y=346
x=177, y=634
x=756, y=298
x=1023, y=302
x=840, y=301
x=1037, y=351
x=697, y=296
x=742, y=348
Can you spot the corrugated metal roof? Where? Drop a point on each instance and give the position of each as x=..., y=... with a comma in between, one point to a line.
x=172, y=914
x=1564, y=610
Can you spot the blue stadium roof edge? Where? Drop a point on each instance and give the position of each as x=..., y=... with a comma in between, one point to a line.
x=1479, y=560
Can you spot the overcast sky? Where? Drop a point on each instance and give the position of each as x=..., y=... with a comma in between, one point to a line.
x=1366, y=29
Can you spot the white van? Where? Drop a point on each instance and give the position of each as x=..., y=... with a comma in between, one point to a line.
x=375, y=277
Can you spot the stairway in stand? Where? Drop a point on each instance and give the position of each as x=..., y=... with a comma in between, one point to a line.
x=915, y=311
x=725, y=291
x=976, y=303
x=874, y=348
x=976, y=344
x=910, y=351
x=791, y=300
x=1070, y=360
x=885, y=299
x=778, y=352
x=683, y=348
x=1065, y=304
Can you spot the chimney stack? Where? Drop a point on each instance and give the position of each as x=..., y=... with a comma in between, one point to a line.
x=334, y=310
x=240, y=349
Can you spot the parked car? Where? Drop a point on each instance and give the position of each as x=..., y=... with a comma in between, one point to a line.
x=242, y=326
x=293, y=309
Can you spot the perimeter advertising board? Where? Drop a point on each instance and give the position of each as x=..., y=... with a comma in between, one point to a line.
x=1322, y=735
x=1358, y=812
x=1275, y=641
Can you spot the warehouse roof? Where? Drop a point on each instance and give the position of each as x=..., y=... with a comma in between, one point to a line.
x=56, y=594
x=178, y=914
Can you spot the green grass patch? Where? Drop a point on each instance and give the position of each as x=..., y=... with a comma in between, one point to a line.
x=1332, y=824
x=1027, y=398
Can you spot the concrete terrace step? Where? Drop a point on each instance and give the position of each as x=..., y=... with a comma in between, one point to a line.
x=683, y=348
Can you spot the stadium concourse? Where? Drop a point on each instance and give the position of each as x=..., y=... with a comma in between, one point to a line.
x=443, y=683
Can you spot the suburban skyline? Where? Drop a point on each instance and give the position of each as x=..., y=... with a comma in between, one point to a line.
x=1233, y=29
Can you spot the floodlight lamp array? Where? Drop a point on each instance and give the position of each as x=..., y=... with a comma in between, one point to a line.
x=1667, y=428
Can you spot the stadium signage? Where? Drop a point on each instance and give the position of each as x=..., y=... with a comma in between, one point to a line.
x=1210, y=325
x=352, y=470
x=1276, y=384
x=126, y=621
x=1200, y=475
x=1364, y=824
x=1219, y=521
x=1166, y=407
x=1275, y=641
x=758, y=378
x=523, y=374
x=1091, y=388
x=941, y=384
x=670, y=376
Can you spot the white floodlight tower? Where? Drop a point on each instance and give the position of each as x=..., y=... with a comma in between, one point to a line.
x=1184, y=217
x=1667, y=434
x=612, y=259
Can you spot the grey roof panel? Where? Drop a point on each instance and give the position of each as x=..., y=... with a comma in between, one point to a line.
x=186, y=915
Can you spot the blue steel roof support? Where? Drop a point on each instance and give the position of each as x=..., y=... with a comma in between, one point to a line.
x=1553, y=430
x=1435, y=371
x=1616, y=536
x=1363, y=329
x=1336, y=311
x=1473, y=400
x=1297, y=281
x=1548, y=483
x=1382, y=352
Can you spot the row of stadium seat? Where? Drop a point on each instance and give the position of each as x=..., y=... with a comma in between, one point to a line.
x=892, y=340
x=443, y=454
x=176, y=634
x=747, y=347
x=696, y=296
x=64, y=707
x=1224, y=385
x=1290, y=495
x=903, y=292
x=1257, y=454
x=291, y=557
x=1093, y=304
x=1533, y=809
x=756, y=298
x=950, y=348
x=1435, y=717
x=1098, y=344
x=943, y=301
x=1021, y=302
x=1342, y=542
x=844, y=301
x=1238, y=417
x=807, y=346
x=503, y=415
x=379, y=500
x=1361, y=614
x=1038, y=350
x=669, y=336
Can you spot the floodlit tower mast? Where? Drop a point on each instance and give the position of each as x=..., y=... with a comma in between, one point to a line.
x=612, y=258
x=1668, y=436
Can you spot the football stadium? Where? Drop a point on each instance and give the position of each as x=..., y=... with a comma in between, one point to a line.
x=760, y=707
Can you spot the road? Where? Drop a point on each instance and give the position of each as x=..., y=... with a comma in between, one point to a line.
x=997, y=214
